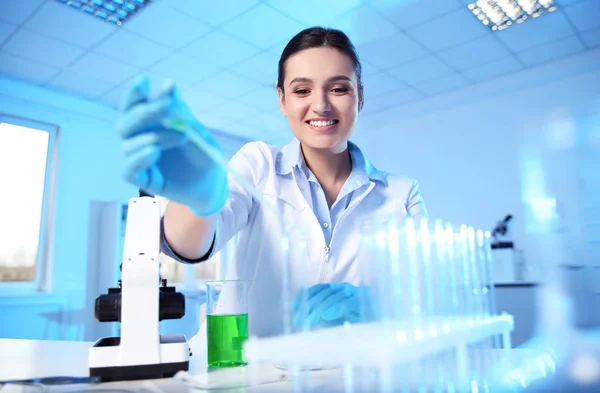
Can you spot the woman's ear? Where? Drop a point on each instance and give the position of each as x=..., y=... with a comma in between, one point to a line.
x=281, y=101
x=361, y=97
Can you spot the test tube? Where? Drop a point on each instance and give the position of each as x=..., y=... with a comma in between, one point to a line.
x=288, y=243
x=465, y=268
x=425, y=240
x=398, y=288
x=419, y=317
x=487, y=255
x=479, y=349
x=440, y=270
x=485, y=282
x=376, y=240
x=294, y=297
x=489, y=344
x=380, y=238
x=454, y=293
x=373, y=267
x=287, y=312
x=403, y=255
x=456, y=259
x=433, y=369
x=298, y=281
x=443, y=296
x=475, y=274
x=384, y=242
x=414, y=272
x=487, y=249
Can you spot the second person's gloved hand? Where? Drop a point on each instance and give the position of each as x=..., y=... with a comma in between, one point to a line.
x=332, y=304
x=164, y=161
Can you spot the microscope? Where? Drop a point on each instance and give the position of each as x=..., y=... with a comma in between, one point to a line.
x=139, y=303
x=501, y=229
x=506, y=268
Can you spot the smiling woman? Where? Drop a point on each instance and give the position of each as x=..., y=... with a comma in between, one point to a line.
x=26, y=168
x=320, y=182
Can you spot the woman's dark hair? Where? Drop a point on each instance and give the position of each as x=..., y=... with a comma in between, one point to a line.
x=315, y=37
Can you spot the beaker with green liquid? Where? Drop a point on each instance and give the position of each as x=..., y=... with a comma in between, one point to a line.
x=226, y=322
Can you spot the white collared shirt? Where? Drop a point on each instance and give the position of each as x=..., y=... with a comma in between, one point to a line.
x=331, y=235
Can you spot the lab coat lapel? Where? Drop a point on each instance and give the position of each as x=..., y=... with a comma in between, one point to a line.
x=286, y=189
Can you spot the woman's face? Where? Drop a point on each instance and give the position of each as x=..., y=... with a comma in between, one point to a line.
x=321, y=97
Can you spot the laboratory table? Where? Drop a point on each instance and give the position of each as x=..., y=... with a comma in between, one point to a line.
x=25, y=359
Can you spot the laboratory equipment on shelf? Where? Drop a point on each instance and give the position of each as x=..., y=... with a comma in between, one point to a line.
x=508, y=263
x=140, y=301
x=500, y=231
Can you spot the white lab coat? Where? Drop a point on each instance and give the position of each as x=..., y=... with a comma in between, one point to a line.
x=259, y=256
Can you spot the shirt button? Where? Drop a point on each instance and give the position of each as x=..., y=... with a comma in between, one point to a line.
x=325, y=225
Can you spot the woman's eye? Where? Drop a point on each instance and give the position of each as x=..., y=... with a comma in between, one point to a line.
x=301, y=91
x=340, y=90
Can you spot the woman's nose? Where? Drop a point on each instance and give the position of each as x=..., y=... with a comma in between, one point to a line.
x=321, y=106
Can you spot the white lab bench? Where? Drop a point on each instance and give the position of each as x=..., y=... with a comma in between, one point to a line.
x=519, y=300
x=25, y=359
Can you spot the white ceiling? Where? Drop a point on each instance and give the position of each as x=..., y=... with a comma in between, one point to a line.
x=224, y=55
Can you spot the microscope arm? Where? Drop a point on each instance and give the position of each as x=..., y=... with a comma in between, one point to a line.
x=140, y=336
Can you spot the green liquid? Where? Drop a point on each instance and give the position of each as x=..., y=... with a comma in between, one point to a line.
x=226, y=335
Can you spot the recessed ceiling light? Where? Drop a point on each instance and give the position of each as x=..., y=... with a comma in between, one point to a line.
x=113, y=11
x=500, y=14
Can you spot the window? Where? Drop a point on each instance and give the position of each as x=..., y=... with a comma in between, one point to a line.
x=27, y=163
x=179, y=273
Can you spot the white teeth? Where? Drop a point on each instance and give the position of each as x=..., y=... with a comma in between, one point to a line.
x=322, y=123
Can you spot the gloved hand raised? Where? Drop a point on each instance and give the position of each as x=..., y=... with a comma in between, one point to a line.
x=164, y=161
x=331, y=305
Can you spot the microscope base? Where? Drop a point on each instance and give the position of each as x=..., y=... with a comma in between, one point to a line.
x=104, y=360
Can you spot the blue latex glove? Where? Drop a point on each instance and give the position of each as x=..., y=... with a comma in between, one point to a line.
x=331, y=305
x=164, y=161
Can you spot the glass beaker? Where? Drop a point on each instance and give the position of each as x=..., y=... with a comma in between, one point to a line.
x=227, y=322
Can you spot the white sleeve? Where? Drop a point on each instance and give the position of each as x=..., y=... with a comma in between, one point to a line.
x=415, y=205
x=249, y=162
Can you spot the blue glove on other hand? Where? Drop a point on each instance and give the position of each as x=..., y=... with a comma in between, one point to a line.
x=332, y=305
x=164, y=161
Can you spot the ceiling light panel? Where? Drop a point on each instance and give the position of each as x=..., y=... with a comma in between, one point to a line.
x=500, y=14
x=113, y=11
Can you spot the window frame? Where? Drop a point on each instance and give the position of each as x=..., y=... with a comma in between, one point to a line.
x=43, y=263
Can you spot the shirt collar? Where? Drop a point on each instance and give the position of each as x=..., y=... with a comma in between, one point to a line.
x=291, y=157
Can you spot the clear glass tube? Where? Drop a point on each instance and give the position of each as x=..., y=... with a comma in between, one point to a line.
x=443, y=287
x=427, y=263
x=391, y=269
x=487, y=246
x=485, y=281
x=295, y=281
x=380, y=244
x=475, y=273
x=453, y=272
x=414, y=272
x=465, y=271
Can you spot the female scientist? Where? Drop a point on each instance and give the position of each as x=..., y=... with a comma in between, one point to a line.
x=319, y=181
